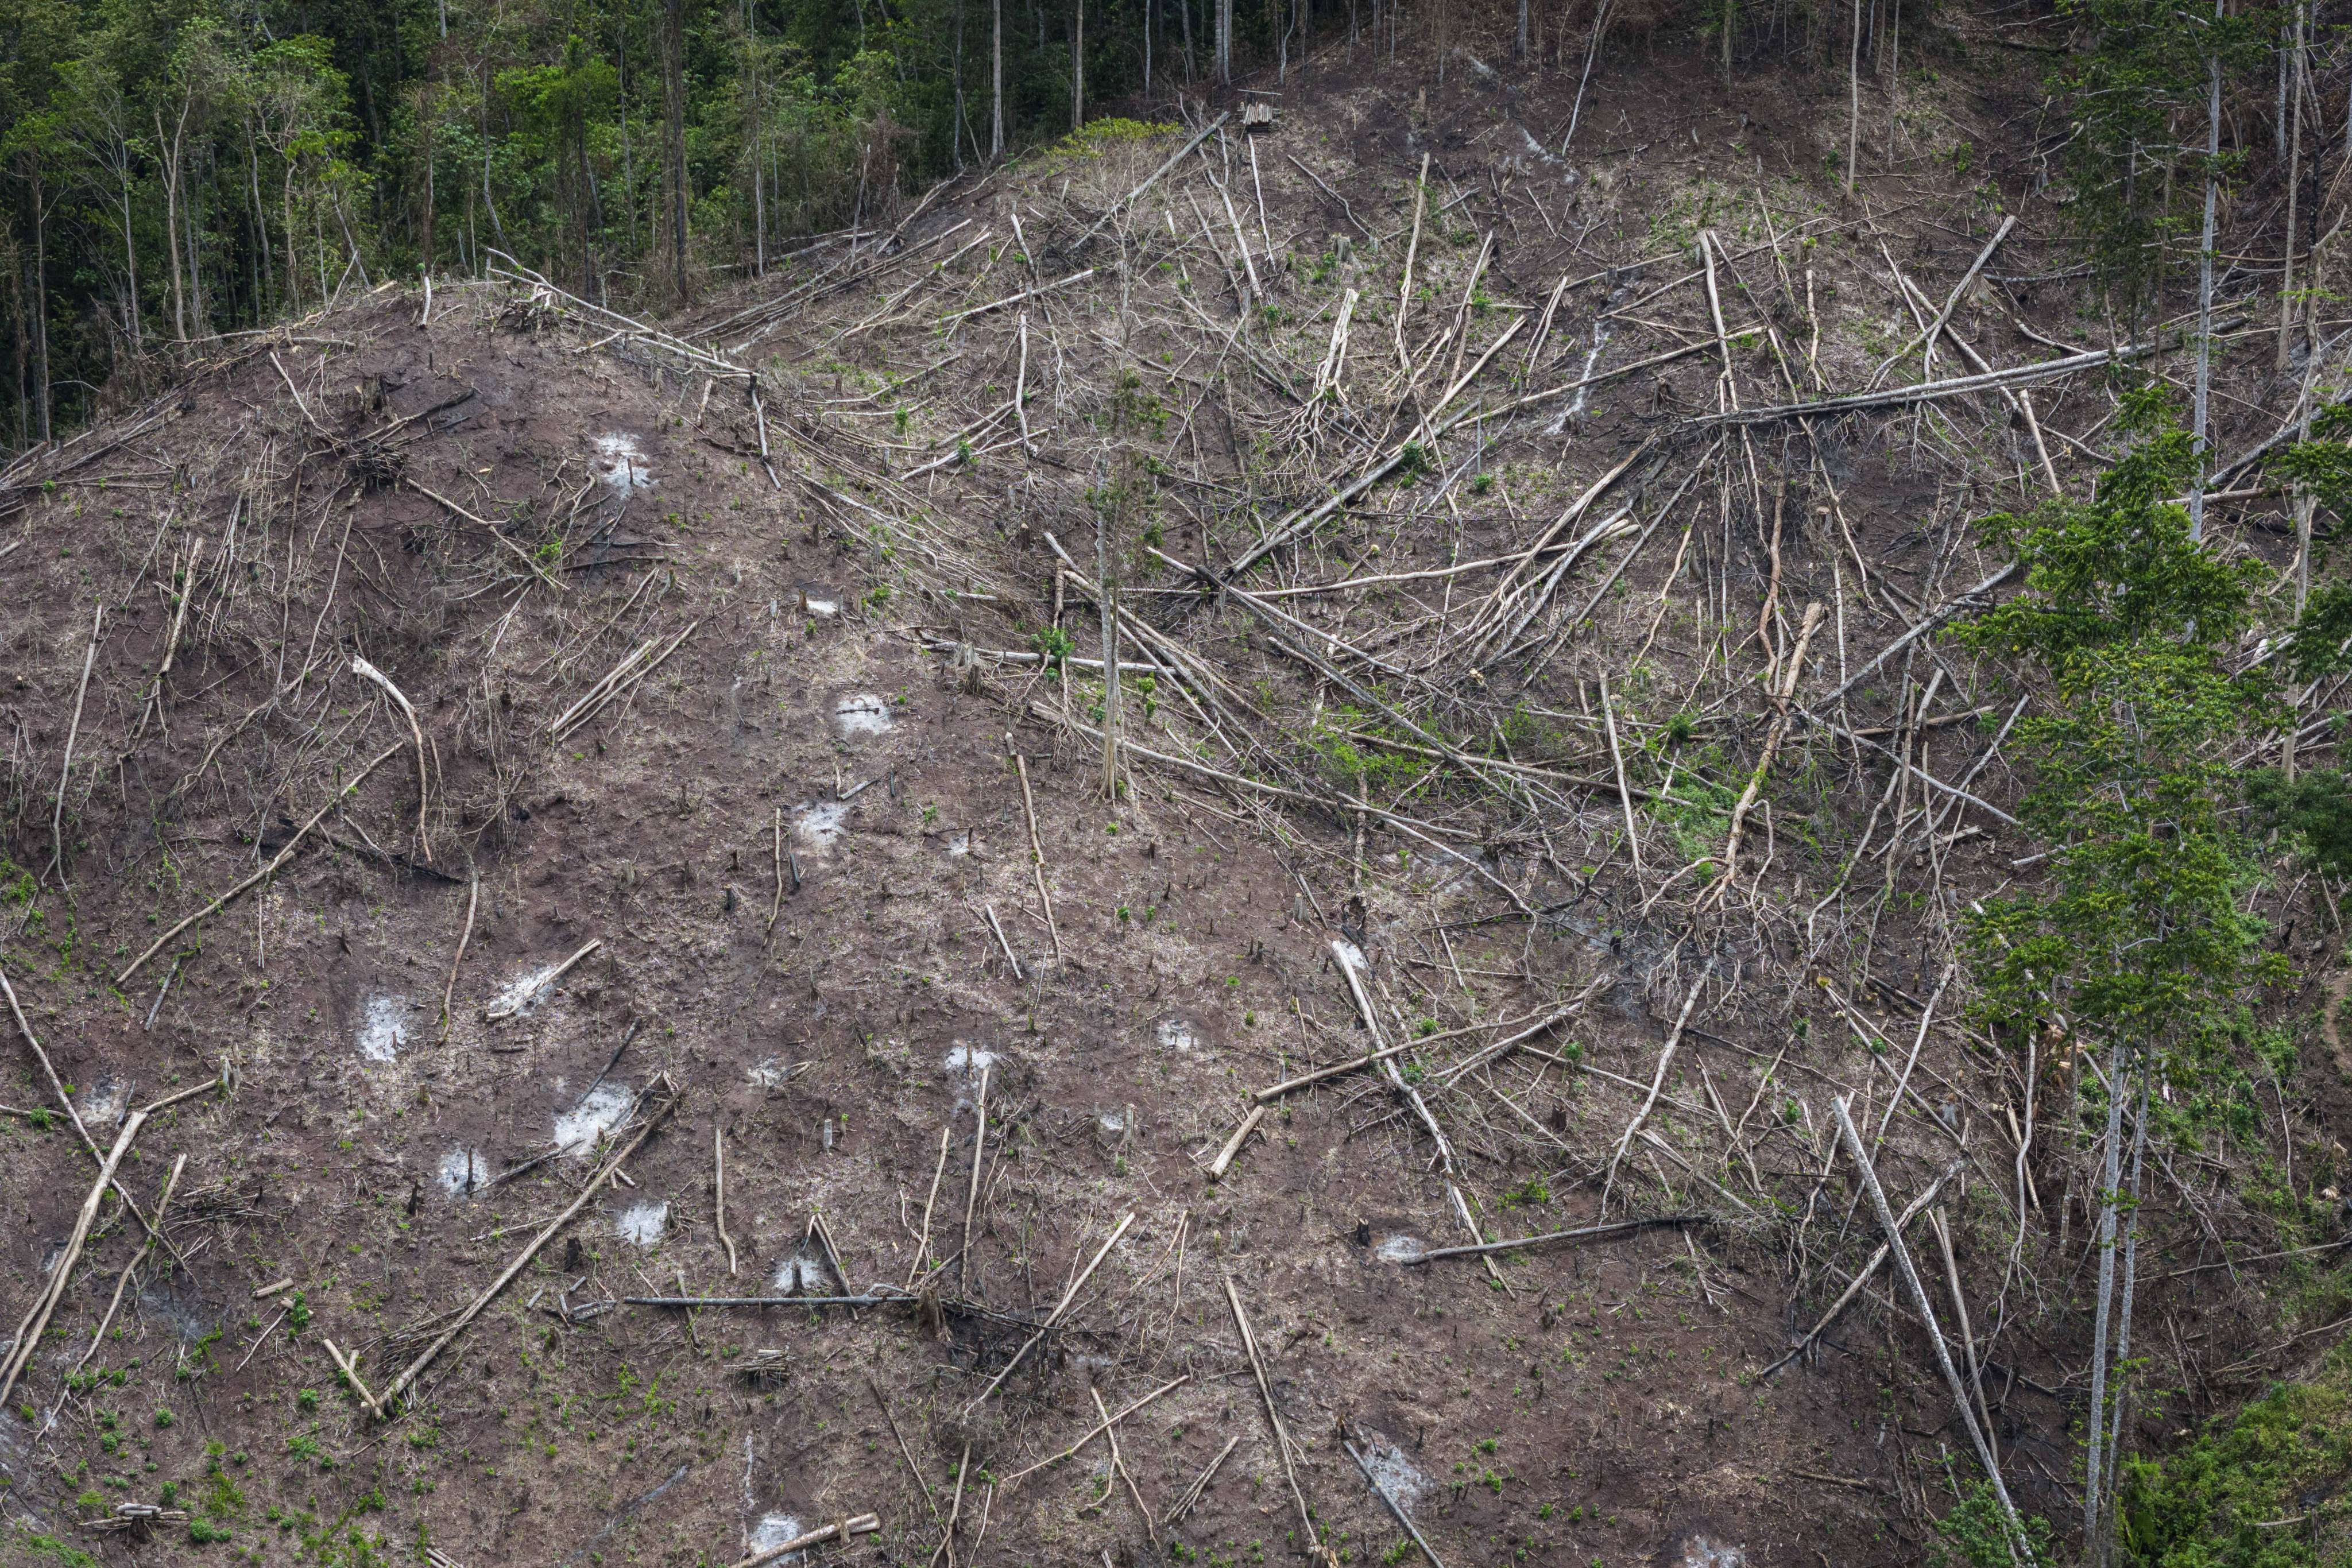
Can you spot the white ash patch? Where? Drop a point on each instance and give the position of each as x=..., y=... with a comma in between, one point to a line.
x=1178, y=1034
x=817, y=608
x=1114, y=1123
x=383, y=1028
x=967, y=1061
x=604, y=1108
x=806, y=1273
x=959, y=843
x=860, y=716
x=621, y=462
x=772, y=1072
x=819, y=824
x=772, y=1530
x=644, y=1225
x=523, y=994
x=1395, y=1474
x=1401, y=1248
x=462, y=1171
x=102, y=1103
x=1705, y=1552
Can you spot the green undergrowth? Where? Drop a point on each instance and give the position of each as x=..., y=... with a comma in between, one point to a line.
x=2268, y=1488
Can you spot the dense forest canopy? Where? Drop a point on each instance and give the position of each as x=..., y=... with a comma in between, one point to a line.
x=173, y=170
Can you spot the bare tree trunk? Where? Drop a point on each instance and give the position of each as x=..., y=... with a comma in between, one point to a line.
x=1225, y=42
x=2294, y=185
x=1107, y=595
x=2094, y=1468
x=628, y=152
x=171, y=150
x=2123, y=1329
x=260, y=212
x=759, y=119
x=426, y=225
x=41, y=324
x=1078, y=64
x=192, y=224
x=131, y=262
x=674, y=135
x=996, y=84
x=2203, y=396
x=2306, y=504
x=1853, y=100
x=488, y=201
x=41, y=304
x=1591, y=53
x=955, y=127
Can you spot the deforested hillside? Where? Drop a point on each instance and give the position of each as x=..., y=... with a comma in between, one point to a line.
x=1556, y=787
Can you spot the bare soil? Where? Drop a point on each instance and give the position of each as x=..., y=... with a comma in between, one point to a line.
x=831, y=1012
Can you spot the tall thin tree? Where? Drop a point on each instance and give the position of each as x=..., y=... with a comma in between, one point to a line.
x=996, y=83
x=2201, y=409
x=674, y=174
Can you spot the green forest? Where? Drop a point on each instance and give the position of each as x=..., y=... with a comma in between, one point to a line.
x=174, y=171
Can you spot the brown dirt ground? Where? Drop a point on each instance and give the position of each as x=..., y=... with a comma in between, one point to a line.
x=1594, y=1405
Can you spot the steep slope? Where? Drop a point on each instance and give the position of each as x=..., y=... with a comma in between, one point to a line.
x=719, y=641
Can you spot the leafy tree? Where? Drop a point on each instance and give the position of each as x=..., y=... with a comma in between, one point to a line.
x=2135, y=935
x=2315, y=809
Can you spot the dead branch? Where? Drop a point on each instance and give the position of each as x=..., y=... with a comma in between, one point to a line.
x=1554, y=1237
x=262, y=875
x=666, y=1097
x=36, y=1316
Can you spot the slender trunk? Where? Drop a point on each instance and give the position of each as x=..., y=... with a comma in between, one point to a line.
x=260, y=214
x=2278, y=119
x=996, y=80
x=191, y=215
x=488, y=201
x=583, y=200
x=1147, y=47
x=1894, y=70
x=2294, y=187
x=2124, y=1328
x=1591, y=52
x=1854, y=101
x=1078, y=64
x=293, y=251
x=955, y=129
x=628, y=161
x=41, y=306
x=130, y=262
x=2203, y=396
x=2306, y=504
x=1184, y=20
x=23, y=356
x=1225, y=42
x=1521, y=47
x=674, y=136
x=1107, y=595
x=2110, y=1194
x=424, y=228
x=171, y=150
